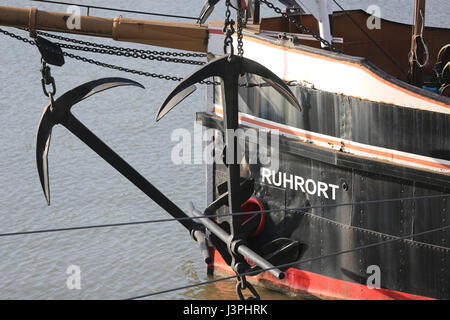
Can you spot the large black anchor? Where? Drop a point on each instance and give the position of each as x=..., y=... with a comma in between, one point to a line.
x=58, y=112
x=229, y=68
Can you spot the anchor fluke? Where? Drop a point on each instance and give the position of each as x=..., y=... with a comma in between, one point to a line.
x=58, y=112
x=174, y=100
x=42, y=146
x=226, y=69
x=272, y=79
x=207, y=9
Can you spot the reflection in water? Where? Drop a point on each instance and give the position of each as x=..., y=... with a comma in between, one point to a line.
x=226, y=290
x=223, y=289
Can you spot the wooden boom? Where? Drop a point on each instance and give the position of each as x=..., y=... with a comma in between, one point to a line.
x=184, y=36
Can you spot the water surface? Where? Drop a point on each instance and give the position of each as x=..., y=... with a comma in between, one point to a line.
x=118, y=262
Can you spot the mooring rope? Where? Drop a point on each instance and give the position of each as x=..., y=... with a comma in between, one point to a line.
x=286, y=265
x=300, y=26
x=139, y=54
x=88, y=6
x=306, y=208
x=384, y=52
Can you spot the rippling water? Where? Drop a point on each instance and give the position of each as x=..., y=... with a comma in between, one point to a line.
x=117, y=262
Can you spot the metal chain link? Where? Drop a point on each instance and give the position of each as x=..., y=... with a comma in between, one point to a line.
x=228, y=29
x=133, y=71
x=139, y=51
x=47, y=79
x=15, y=36
x=301, y=26
x=240, y=24
x=291, y=83
x=138, y=72
x=130, y=54
x=109, y=66
x=123, y=69
x=242, y=284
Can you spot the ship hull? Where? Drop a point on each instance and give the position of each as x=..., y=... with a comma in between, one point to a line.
x=341, y=206
x=362, y=176
x=309, y=285
x=329, y=224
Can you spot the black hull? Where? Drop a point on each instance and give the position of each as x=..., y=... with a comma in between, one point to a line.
x=415, y=266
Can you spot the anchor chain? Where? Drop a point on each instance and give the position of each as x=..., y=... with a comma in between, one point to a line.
x=126, y=52
x=291, y=83
x=109, y=66
x=240, y=24
x=243, y=284
x=131, y=50
x=238, y=263
x=240, y=266
x=130, y=54
x=46, y=80
x=133, y=71
x=229, y=30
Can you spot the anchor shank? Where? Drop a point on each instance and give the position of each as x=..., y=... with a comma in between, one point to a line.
x=97, y=145
x=231, y=122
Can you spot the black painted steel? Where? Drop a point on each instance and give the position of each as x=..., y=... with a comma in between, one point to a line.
x=207, y=9
x=51, y=52
x=242, y=248
x=201, y=239
x=247, y=189
x=280, y=251
x=59, y=113
x=418, y=266
x=417, y=131
x=228, y=68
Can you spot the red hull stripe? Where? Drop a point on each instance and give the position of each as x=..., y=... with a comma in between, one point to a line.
x=300, y=281
x=215, y=31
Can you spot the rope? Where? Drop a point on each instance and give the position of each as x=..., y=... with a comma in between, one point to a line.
x=413, y=56
x=300, y=26
x=82, y=227
x=220, y=215
x=107, y=65
x=250, y=273
x=372, y=40
x=88, y=6
x=135, y=53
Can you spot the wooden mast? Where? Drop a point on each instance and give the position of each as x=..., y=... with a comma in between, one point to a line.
x=176, y=35
x=417, y=52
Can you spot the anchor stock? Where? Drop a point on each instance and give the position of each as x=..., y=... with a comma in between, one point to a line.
x=240, y=248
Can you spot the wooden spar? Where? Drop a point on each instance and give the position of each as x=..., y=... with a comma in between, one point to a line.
x=175, y=35
x=416, y=53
